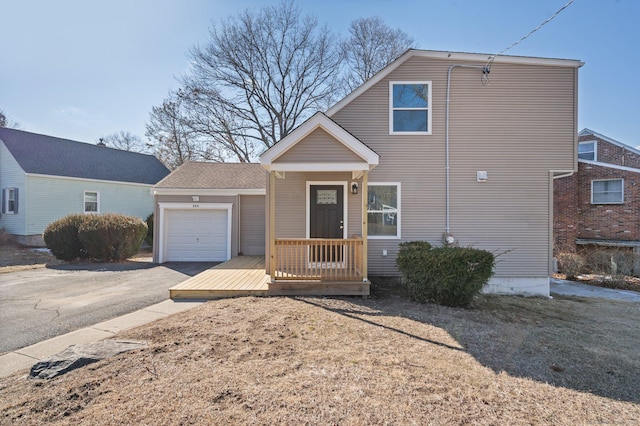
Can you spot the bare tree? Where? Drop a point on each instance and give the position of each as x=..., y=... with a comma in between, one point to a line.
x=371, y=46
x=171, y=140
x=261, y=73
x=6, y=121
x=124, y=140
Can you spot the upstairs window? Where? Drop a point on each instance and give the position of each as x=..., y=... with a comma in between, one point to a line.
x=10, y=200
x=609, y=191
x=587, y=151
x=91, y=202
x=410, y=107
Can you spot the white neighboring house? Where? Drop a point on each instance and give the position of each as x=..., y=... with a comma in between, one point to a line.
x=44, y=178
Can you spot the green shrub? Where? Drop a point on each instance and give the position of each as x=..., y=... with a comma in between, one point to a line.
x=571, y=264
x=106, y=237
x=449, y=276
x=61, y=237
x=149, y=238
x=111, y=237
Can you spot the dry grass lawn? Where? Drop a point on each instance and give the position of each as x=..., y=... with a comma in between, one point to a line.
x=351, y=361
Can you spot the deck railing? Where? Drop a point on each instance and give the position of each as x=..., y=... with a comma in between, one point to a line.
x=318, y=259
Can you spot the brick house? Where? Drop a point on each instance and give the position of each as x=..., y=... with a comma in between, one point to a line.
x=599, y=205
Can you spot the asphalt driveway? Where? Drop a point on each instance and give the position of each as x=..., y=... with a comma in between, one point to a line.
x=38, y=304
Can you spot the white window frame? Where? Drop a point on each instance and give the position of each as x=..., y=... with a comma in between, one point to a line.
x=84, y=202
x=595, y=150
x=610, y=202
x=7, y=198
x=429, y=108
x=398, y=212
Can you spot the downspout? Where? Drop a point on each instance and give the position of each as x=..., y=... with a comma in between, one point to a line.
x=448, y=238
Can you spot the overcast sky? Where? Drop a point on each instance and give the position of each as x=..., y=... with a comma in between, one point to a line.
x=81, y=69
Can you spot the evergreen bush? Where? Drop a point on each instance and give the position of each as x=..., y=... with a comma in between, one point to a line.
x=449, y=276
x=149, y=238
x=103, y=237
x=112, y=237
x=61, y=237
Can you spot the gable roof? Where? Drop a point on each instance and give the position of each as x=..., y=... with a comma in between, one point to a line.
x=205, y=175
x=481, y=58
x=589, y=132
x=319, y=121
x=48, y=155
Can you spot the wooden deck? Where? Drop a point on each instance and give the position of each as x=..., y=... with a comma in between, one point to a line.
x=240, y=276
x=245, y=276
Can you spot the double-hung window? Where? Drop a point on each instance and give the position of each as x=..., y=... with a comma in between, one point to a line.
x=607, y=191
x=588, y=151
x=91, y=202
x=383, y=210
x=10, y=200
x=410, y=107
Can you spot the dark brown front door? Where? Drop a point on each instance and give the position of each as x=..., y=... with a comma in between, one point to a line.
x=326, y=219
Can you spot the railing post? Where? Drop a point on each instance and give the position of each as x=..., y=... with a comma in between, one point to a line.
x=365, y=224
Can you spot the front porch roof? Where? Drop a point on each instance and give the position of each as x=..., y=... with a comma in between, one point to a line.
x=369, y=159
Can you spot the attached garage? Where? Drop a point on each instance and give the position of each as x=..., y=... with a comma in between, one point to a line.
x=210, y=212
x=198, y=235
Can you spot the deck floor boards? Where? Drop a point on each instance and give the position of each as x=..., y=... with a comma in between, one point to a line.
x=246, y=276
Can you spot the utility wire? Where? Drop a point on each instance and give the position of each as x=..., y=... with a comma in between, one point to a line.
x=487, y=67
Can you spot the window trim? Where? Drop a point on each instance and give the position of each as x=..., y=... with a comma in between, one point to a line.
x=595, y=150
x=610, y=202
x=429, y=107
x=5, y=200
x=84, y=202
x=398, y=214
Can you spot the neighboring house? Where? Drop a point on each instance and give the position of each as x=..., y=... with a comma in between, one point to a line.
x=599, y=205
x=431, y=148
x=44, y=178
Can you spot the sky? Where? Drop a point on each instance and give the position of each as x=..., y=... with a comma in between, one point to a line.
x=82, y=69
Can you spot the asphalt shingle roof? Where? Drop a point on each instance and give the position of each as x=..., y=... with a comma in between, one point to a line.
x=48, y=155
x=202, y=175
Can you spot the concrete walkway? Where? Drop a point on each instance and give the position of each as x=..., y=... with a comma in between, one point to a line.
x=572, y=288
x=25, y=357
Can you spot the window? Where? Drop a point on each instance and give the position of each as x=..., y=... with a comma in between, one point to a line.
x=10, y=200
x=383, y=210
x=91, y=202
x=609, y=191
x=410, y=105
x=587, y=151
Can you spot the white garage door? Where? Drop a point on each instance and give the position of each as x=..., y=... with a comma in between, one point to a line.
x=196, y=235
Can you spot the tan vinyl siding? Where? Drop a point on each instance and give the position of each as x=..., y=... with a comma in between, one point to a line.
x=319, y=146
x=204, y=199
x=517, y=128
x=252, y=225
x=291, y=199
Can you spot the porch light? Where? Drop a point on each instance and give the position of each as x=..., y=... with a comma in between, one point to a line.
x=354, y=188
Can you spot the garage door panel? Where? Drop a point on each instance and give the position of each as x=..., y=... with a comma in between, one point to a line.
x=196, y=235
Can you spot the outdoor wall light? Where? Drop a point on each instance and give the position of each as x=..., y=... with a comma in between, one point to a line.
x=354, y=188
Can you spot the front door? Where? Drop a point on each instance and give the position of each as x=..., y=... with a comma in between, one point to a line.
x=326, y=220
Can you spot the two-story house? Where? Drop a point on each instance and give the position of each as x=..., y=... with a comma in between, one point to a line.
x=451, y=148
x=600, y=204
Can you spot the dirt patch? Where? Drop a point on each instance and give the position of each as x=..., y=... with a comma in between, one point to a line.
x=385, y=360
x=14, y=258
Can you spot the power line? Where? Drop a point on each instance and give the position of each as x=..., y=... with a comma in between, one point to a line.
x=488, y=66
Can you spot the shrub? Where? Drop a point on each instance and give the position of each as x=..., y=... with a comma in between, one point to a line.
x=112, y=237
x=107, y=237
x=449, y=276
x=61, y=237
x=149, y=238
x=612, y=261
x=570, y=264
